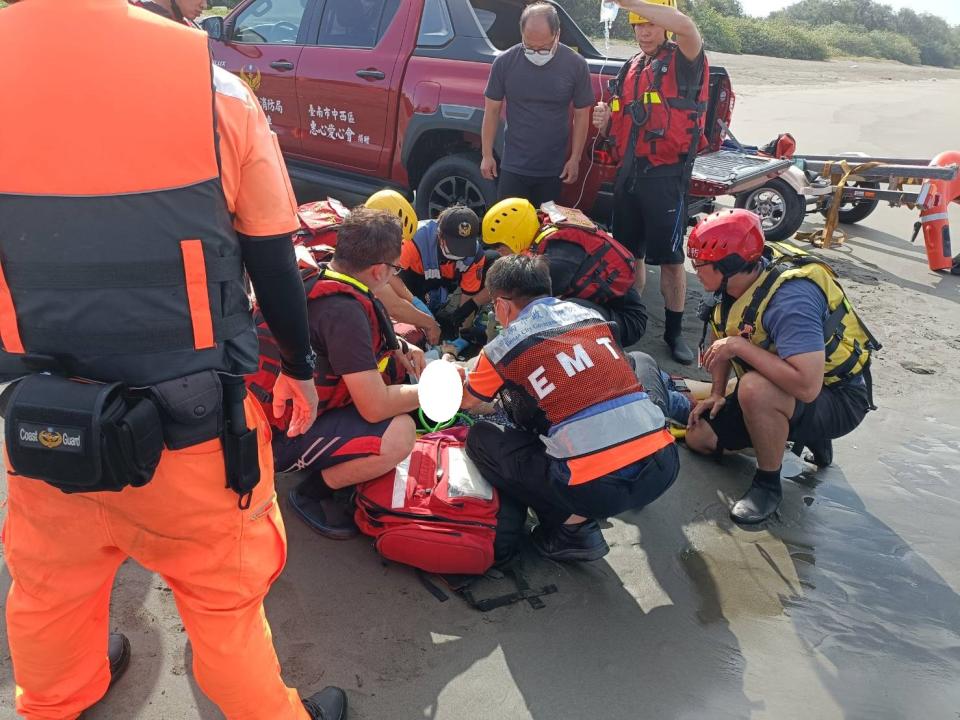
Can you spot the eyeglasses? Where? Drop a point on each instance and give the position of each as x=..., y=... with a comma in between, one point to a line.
x=397, y=269
x=502, y=297
x=532, y=51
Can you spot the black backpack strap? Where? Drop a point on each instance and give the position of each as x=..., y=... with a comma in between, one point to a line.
x=431, y=587
x=750, y=312
x=462, y=586
x=524, y=592
x=630, y=156
x=690, y=101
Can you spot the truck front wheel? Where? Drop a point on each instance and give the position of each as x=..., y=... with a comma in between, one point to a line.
x=451, y=180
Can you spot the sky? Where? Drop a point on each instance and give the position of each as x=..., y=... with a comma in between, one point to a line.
x=949, y=9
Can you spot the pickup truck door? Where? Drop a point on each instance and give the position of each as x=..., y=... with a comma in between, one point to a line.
x=262, y=44
x=346, y=83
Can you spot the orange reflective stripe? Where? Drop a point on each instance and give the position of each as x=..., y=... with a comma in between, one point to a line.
x=590, y=467
x=195, y=271
x=9, y=331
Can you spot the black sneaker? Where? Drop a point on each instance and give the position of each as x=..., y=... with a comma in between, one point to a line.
x=330, y=516
x=118, y=651
x=328, y=704
x=679, y=349
x=581, y=543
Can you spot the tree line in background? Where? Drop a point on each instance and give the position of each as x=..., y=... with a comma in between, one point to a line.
x=809, y=30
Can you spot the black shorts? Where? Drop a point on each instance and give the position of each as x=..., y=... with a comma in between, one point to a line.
x=335, y=437
x=650, y=219
x=838, y=410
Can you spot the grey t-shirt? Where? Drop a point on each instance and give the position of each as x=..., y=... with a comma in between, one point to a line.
x=538, y=107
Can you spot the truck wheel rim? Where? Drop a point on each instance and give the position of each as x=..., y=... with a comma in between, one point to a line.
x=769, y=205
x=452, y=190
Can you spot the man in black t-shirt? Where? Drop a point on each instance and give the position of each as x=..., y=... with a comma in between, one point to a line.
x=539, y=79
x=363, y=428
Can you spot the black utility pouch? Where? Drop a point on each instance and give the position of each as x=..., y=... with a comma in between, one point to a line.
x=191, y=408
x=82, y=437
x=241, y=451
x=242, y=458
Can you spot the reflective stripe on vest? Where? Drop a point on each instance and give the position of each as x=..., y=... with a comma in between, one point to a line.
x=119, y=255
x=604, y=425
x=538, y=318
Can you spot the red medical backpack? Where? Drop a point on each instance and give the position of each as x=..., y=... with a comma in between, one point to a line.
x=434, y=512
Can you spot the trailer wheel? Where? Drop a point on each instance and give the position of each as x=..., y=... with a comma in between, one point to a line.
x=856, y=210
x=780, y=207
x=454, y=179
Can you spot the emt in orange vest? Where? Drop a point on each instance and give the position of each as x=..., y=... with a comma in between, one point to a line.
x=589, y=441
x=126, y=237
x=363, y=428
x=656, y=119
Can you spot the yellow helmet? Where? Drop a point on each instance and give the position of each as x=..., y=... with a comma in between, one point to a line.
x=512, y=222
x=396, y=204
x=635, y=19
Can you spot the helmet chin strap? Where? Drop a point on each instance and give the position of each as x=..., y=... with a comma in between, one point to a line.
x=707, y=305
x=177, y=12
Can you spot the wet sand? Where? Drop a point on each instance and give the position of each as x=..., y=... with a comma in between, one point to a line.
x=846, y=606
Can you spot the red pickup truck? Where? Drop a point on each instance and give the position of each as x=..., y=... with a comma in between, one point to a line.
x=370, y=93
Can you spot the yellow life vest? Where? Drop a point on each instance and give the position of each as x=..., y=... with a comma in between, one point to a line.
x=848, y=343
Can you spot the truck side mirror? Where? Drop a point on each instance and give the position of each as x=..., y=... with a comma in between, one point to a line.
x=213, y=25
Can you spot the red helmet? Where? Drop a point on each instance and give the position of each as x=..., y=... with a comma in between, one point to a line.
x=731, y=238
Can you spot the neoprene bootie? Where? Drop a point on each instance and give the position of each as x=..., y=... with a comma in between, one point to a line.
x=680, y=351
x=760, y=501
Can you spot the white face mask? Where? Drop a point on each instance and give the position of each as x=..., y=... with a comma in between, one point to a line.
x=541, y=60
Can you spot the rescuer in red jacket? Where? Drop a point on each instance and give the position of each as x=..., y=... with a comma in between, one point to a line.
x=656, y=118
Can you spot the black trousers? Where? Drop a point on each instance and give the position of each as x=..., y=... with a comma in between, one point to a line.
x=537, y=190
x=516, y=463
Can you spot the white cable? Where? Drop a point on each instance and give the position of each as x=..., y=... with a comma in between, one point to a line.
x=596, y=139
